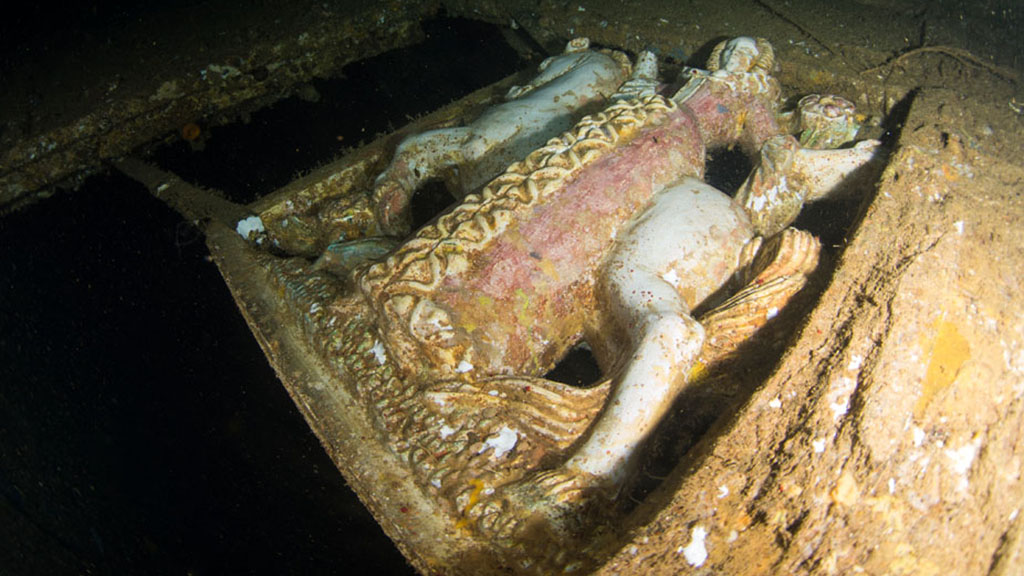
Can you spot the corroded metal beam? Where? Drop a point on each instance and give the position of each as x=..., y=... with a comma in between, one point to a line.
x=268, y=70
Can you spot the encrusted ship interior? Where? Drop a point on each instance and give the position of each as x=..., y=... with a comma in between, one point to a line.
x=693, y=287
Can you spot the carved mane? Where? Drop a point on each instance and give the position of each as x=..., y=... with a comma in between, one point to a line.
x=400, y=287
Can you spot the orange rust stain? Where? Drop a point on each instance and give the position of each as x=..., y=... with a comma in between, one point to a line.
x=474, y=498
x=697, y=371
x=191, y=131
x=949, y=353
x=741, y=122
x=846, y=491
x=949, y=173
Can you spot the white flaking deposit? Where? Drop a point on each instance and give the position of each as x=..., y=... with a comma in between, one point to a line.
x=671, y=277
x=695, y=552
x=961, y=459
x=840, y=393
x=446, y=431
x=501, y=443
x=463, y=367
x=379, y=353
x=249, y=225
x=918, y=436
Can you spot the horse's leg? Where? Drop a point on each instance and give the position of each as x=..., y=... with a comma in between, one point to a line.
x=789, y=175
x=418, y=159
x=683, y=248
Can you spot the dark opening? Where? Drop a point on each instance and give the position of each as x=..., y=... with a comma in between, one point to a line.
x=578, y=368
x=430, y=199
x=143, y=431
x=726, y=169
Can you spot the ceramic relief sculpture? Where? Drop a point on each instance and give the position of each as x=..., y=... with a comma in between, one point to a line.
x=601, y=233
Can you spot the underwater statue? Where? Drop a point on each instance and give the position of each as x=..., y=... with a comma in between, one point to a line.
x=603, y=234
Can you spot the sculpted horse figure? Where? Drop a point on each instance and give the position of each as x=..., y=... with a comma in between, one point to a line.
x=604, y=234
